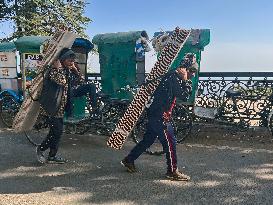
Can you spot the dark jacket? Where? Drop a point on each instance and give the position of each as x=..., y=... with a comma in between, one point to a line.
x=169, y=88
x=64, y=77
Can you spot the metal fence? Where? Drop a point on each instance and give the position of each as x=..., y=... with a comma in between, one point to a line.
x=256, y=89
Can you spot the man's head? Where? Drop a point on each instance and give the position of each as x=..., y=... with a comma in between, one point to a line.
x=189, y=64
x=187, y=69
x=67, y=57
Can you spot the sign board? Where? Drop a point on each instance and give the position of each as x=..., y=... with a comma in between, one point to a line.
x=32, y=60
x=8, y=65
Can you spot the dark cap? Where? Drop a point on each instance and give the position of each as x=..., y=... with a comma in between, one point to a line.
x=189, y=62
x=67, y=53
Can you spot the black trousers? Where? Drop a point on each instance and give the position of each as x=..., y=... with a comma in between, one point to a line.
x=53, y=138
x=82, y=90
x=165, y=133
x=85, y=89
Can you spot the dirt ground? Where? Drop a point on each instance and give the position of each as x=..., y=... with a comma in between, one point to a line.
x=225, y=169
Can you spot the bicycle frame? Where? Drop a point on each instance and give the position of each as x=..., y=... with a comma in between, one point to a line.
x=220, y=115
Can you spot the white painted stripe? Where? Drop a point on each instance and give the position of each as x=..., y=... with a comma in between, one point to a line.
x=172, y=165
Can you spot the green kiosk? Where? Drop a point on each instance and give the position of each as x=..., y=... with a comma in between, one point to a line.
x=122, y=61
x=122, y=58
x=196, y=43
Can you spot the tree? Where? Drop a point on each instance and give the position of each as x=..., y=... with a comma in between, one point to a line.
x=43, y=17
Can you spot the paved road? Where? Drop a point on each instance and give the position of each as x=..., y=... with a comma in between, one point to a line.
x=223, y=171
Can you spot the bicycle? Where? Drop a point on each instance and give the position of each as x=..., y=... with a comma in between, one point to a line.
x=109, y=112
x=10, y=103
x=266, y=114
x=230, y=112
x=103, y=122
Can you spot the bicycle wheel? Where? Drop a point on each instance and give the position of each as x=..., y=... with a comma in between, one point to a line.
x=138, y=133
x=112, y=111
x=111, y=117
x=182, y=122
x=39, y=131
x=8, y=109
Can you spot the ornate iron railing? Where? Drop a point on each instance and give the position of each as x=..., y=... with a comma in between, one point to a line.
x=256, y=88
x=94, y=78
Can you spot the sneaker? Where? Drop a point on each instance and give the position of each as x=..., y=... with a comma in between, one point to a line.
x=130, y=166
x=177, y=176
x=40, y=155
x=56, y=160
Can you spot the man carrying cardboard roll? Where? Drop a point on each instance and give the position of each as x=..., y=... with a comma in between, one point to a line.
x=66, y=75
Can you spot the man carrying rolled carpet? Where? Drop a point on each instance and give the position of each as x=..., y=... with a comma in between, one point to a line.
x=175, y=84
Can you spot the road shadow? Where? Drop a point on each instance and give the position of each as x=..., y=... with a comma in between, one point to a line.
x=222, y=172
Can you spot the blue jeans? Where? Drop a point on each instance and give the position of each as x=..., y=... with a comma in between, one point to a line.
x=165, y=133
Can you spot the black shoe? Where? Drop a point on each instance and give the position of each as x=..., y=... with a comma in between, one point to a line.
x=56, y=160
x=177, y=176
x=130, y=166
x=40, y=155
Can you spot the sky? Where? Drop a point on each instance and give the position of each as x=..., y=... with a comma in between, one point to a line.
x=241, y=30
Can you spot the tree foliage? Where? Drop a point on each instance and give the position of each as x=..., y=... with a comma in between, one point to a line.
x=43, y=17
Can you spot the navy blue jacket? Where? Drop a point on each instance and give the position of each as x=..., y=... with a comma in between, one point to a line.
x=171, y=86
